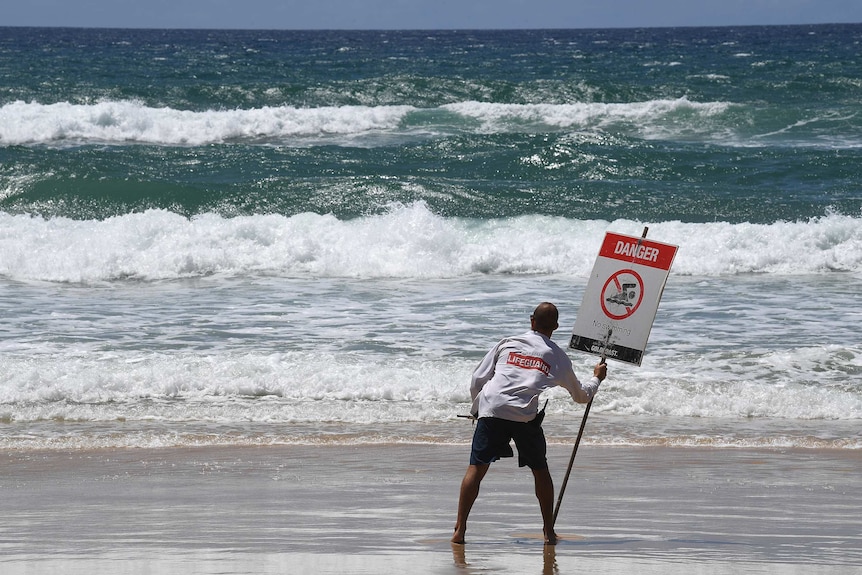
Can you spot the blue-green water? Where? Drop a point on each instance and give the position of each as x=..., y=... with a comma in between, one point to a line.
x=700, y=125
x=264, y=234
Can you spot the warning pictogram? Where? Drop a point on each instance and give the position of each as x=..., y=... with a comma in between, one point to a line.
x=622, y=294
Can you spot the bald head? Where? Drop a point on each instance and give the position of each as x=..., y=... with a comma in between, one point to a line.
x=545, y=318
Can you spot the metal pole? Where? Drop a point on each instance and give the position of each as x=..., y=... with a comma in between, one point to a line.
x=580, y=434
x=572, y=460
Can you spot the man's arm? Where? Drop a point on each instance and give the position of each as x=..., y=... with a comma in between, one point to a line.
x=482, y=375
x=583, y=392
x=483, y=372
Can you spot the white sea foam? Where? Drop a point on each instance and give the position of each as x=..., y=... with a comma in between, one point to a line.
x=303, y=328
x=759, y=360
x=651, y=119
x=361, y=388
x=405, y=242
x=124, y=122
x=90, y=396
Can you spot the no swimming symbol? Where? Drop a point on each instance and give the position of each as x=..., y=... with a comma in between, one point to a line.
x=622, y=294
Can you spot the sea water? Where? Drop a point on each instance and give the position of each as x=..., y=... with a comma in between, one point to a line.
x=257, y=237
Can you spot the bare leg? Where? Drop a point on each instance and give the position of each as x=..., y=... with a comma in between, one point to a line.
x=469, y=493
x=545, y=495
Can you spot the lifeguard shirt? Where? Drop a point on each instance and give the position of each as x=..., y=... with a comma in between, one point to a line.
x=508, y=381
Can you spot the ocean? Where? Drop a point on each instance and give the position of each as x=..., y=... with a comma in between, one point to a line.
x=214, y=238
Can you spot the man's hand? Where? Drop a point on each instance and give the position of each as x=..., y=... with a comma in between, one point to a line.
x=601, y=371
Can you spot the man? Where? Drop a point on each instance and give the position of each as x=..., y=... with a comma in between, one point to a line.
x=505, y=389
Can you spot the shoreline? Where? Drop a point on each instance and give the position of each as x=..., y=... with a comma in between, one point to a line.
x=604, y=431
x=388, y=508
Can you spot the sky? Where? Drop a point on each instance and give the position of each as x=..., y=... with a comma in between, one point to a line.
x=422, y=14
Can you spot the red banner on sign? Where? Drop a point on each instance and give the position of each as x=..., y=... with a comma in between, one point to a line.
x=637, y=250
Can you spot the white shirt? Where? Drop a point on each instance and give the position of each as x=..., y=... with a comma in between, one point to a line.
x=508, y=381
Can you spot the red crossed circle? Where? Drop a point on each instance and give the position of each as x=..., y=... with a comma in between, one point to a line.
x=622, y=294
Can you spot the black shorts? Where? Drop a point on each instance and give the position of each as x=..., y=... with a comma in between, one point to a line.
x=491, y=442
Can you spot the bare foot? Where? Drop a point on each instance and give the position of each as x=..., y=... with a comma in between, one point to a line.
x=550, y=539
x=458, y=537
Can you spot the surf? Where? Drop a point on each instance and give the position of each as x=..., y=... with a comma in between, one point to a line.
x=125, y=122
x=406, y=241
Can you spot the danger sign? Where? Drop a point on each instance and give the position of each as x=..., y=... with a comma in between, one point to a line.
x=622, y=297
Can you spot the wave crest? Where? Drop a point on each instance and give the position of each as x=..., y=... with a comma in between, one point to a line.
x=408, y=241
x=124, y=122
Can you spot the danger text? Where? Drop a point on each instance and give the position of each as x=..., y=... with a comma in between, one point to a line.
x=637, y=251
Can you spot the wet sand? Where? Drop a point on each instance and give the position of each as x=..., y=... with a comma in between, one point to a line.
x=390, y=509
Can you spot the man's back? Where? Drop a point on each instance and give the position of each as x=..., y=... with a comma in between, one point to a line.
x=508, y=381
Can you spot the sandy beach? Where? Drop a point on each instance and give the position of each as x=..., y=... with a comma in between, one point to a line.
x=390, y=509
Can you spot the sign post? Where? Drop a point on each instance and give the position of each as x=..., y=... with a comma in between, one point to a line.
x=619, y=307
